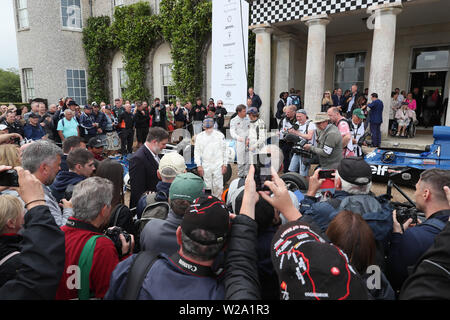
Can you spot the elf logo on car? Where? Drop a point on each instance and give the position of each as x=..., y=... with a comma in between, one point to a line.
x=379, y=170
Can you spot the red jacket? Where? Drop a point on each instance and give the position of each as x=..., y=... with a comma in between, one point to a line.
x=104, y=261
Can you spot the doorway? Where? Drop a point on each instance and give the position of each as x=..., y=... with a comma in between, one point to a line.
x=428, y=90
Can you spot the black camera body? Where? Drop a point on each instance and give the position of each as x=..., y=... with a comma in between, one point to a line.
x=9, y=178
x=403, y=214
x=299, y=143
x=114, y=234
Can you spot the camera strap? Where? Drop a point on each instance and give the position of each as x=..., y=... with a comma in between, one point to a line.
x=73, y=223
x=192, y=267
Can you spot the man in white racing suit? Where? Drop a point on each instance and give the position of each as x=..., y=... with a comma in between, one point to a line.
x=239, y=130
x=211, y=157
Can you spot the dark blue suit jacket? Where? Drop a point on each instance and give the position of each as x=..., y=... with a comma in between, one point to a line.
x=143, y=177
x=376, y=111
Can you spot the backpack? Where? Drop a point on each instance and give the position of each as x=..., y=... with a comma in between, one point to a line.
x=376, y=211
x=349, y=122
x=153, y=210
x=296, y=101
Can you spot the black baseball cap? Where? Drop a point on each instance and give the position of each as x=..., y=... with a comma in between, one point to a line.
x=207, y=213
x=95, y=143
x=355, y=170
x=309, y=267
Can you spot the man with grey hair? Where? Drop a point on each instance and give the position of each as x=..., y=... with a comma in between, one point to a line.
x=68, y=126
x=91, y=202
x=352, y=182
x=34, y=109
x=42, y=158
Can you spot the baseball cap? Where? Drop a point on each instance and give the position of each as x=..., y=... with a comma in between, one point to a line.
x=311, y=268
x=171, y=165
x=95, y=143
x=94, y=104
x=34, y=115
x=87, y=107
x=359, y=113
x=207, y=213
x=211, y=100
x=252, y=110
x=186, y=186
x=208, y=123
x=355, y=170
x=72, y=103
x=321, y=117
x=301, y=111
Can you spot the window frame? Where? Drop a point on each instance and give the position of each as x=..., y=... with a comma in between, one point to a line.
x=29, y=91
x=19, y=9
x=68, y=28
x=166, y=87
x=73, y=87
x=361, y=84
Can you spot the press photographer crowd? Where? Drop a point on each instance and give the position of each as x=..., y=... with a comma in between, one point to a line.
x=103, y=202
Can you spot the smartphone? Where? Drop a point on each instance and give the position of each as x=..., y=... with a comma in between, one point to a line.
x=9, y=178
x=326, y=174
x=263, y=173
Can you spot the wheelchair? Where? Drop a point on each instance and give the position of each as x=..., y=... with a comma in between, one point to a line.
x=410, y=129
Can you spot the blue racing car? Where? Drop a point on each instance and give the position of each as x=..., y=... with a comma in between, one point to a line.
x=408, y=165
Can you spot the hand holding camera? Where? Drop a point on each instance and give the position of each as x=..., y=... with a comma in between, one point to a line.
x=123, y=241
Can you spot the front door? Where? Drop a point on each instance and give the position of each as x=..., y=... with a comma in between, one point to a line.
x=428, y=90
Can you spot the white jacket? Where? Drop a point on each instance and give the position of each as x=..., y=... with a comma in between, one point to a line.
x=210, y=150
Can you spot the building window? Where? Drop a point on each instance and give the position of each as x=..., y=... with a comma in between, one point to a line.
x=431, y=58
x=123, y=81
x=76, y=86
x=349, y=70
x=22, y=14
x=166, y=81
x=118, y=3
x=71, y=14
x=29, y=84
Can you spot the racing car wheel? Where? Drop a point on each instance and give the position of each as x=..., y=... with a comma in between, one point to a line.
x=388, y=157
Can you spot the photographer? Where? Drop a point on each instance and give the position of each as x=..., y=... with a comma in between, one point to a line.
x=329, y=143
x=41, y=258
x=84, y=237
x=158, y=113
x=287, y=123
x=189, y=273
x=357, y=131
x=430, y=280
x=408, y=244
x=306, y=130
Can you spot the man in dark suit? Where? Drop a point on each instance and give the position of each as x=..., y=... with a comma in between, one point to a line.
x=144, y=164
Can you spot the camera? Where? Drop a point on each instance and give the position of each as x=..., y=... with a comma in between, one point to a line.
x=114, y=234
x=299, y=143
x=9, y=178
x=403, y=214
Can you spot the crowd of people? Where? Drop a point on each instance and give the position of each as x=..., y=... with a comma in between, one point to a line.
x=67, y=232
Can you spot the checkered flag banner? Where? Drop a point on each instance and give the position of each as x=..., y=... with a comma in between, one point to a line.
x=267, y=11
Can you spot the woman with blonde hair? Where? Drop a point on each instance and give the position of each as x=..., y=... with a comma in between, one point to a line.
x=11, y=221
x=327, y=101
x=9, y=155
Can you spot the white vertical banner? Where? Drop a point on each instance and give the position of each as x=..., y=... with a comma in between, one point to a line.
x=230, y=52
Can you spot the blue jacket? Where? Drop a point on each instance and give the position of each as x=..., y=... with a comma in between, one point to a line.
x=100, y=118
x=166, y=281
x=62, y=181
x=407, y=248
x=34, y=132
x=87, y=124
x=376, y=111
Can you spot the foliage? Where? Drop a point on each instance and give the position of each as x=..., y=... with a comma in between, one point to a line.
x=10, y=85
x=187, y=25
x=134, y=31
x=96, y=44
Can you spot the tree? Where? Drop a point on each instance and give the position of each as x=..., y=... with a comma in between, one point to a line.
x=10, y=86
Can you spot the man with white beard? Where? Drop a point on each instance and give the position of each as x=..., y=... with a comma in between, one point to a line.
x=211, y=157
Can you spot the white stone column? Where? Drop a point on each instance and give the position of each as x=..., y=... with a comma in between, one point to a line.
x=262, y=82
x=284, y=67
x=315, y=63
x=447, y=118
x=383, y=50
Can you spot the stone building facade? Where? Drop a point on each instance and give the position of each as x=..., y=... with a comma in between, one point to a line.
x=52, y=61
x=319, y=45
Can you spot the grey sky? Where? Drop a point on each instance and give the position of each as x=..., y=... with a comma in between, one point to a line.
x=8, y=44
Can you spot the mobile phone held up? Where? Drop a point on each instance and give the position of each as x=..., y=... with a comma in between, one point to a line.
x=9, y=178
x=328, y=184
x=263, y=173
